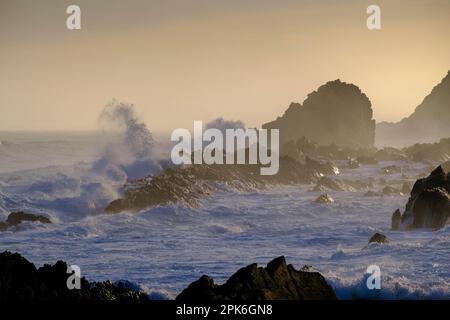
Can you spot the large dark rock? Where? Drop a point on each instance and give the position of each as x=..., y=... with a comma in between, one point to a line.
x=16, y=218
x=337, y=113
x=277, y=281
x=429, y=203
x=21, y=280
x=378, y=238
x=429, y=122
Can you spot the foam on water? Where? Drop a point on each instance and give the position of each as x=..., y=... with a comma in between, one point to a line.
x=165, y=248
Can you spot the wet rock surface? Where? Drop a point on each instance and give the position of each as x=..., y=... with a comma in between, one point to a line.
x=277, y=281
x=16, y=218
x=378, y=238
x=429, y=203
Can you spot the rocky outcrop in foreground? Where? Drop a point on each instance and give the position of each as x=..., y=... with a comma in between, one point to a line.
x=429, y=203
x=277, y=281
x=16, y=218
x=21, y=280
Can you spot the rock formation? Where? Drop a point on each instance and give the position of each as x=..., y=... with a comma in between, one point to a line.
x=277, y=281
x=429, y=203
x=429, y=122
x=21, y=280
x=324, y=198
x=16, y=218
x=337, y=113
x=378, y=238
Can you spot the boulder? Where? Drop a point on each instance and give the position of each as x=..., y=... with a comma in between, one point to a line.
x=378, y=238
x=16, y=218
x=277, y=281
x=429, y=203
x=324, y=198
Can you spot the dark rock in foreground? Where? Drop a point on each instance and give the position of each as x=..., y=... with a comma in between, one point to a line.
x=277, y=281
x=429, y=203
x=21, y=280
x=16, y=218
x=378, y=238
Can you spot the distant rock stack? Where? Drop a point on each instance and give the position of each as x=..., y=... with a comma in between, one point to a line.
x=428, y=123
x=337, y=113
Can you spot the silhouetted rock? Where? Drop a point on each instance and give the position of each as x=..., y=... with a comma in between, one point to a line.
x=426, y=152
x=337, y=113
x=277, y=281
x=21, y=280
x=429, y=122
x=16, y=218
x=324, y=168
x=396, y=220
x=429, y=203
x=191, y=183
x=324, y=198
x=378, y=238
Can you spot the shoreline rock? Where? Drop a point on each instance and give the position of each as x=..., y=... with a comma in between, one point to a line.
x=277, y=281
x=21, y=280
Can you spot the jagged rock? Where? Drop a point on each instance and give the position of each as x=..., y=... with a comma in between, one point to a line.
x=192, y=183
x=341, y=108
x=16, y=218
x=21, y=280
x=378, y=238
x=429, y=203
x=391, y=169
x=430, y=121
x=277, y=281
x=327, y=184
x=324, y=198
x=396, y=219
x=427, y=152
x=326, y=168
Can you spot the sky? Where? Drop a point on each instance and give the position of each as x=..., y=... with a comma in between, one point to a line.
x=185, y=60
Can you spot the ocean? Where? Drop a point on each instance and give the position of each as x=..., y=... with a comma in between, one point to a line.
x=71, y=177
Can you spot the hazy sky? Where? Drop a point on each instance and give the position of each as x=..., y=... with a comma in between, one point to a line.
x=186, y=60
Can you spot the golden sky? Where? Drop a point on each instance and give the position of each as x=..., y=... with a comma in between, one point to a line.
x=186, y=60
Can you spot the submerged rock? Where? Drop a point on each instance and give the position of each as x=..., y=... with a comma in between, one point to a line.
x=429, y=203
x=21, y=280
x=277, y=281
x=16, y=218
x=378, y=238
x=324, y=198
x=391, y=169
